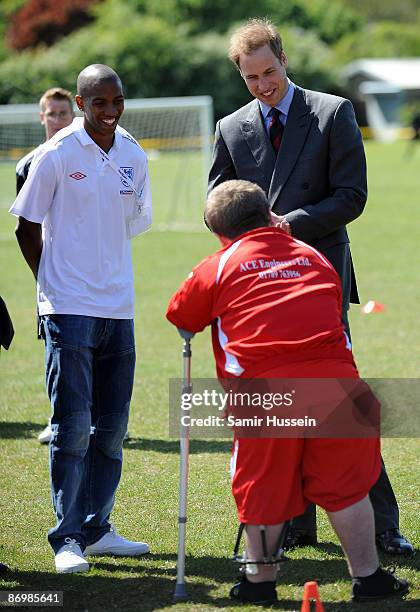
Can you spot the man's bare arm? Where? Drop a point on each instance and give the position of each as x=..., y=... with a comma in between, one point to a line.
x=29, y=237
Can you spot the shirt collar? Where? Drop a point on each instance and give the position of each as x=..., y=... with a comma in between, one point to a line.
x=86, y=140
x=284, y=105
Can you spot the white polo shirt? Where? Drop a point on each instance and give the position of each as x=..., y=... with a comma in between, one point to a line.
x=83, y=204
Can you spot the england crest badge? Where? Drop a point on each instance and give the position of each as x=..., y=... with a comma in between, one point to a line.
x=127, y=171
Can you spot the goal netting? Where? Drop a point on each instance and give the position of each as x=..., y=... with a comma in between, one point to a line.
x=176, y=134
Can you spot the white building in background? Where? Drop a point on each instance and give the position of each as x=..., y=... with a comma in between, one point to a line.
x=381, y=87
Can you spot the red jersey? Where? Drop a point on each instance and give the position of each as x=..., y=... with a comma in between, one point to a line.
x=269, y=298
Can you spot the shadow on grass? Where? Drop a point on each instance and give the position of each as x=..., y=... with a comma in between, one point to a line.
x=172, y=446
x=20, y=429
x=28, y=429
x=387, y=561
x=148, y=583
x=294, y=571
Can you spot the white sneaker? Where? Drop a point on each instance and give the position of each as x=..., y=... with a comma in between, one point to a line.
x=69, y=559
x=45, y=435
x=114, y=544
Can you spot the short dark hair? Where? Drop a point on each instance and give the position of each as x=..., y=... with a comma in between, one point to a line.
x=94, y=75
x=236, y=207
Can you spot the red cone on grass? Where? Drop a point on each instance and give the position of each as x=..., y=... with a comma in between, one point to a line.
x=373, y=306
x=310, y=593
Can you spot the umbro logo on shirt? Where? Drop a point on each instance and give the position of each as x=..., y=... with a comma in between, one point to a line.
x=77, y=175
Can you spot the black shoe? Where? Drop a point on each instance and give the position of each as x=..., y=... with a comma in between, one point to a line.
x=379, y=585
x=297, y=538
x=262, y=593
x=393, y=543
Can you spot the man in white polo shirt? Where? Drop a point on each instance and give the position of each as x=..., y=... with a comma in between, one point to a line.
x=87, y=194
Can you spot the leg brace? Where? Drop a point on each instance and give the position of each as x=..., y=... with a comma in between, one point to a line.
x=250, y=566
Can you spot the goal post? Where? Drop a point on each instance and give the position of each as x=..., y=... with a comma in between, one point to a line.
x=176, y=133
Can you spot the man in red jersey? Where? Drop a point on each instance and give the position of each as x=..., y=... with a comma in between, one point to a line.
x=274, y=304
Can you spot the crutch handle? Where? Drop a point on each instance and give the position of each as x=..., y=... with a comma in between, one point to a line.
x=186, y=335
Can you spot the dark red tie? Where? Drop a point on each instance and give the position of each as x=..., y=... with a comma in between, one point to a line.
x=276, y=129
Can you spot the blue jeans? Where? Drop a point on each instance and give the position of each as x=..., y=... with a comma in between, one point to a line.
x=89, y=373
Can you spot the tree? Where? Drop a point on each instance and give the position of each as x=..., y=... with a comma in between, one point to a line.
x=382, y=39
x=384, y=10
x=333, y=20
x=45, y=21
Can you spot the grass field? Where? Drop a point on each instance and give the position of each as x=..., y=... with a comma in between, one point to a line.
x=385, y=252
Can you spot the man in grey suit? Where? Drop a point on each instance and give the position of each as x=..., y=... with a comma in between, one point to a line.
x=305, y=150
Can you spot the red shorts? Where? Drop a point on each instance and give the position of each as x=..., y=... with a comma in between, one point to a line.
x=274, y=479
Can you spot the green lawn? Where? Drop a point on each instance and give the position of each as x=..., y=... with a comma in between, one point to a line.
x=384, y=242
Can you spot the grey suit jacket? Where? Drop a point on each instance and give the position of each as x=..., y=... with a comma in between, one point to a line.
x=317, y=180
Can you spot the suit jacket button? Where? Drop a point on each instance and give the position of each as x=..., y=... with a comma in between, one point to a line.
x=305, y=185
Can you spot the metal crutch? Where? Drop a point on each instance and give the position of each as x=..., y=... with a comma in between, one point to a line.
x=180, y=593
